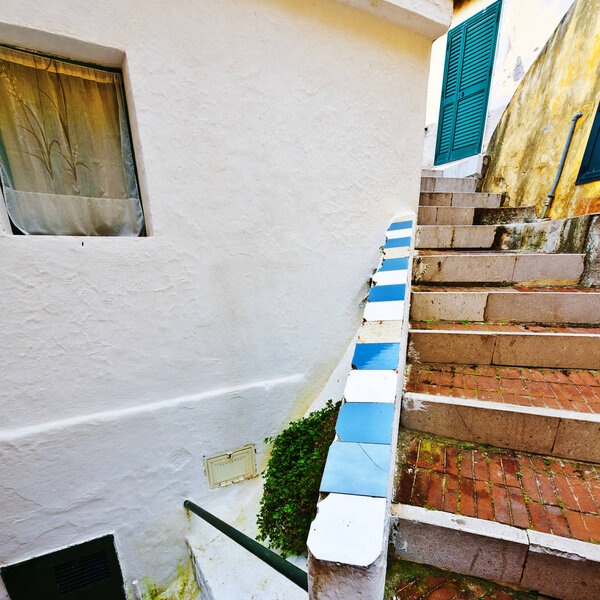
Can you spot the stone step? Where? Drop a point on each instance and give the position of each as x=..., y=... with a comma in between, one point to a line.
x=462, y=215
x=526, y=520
x=460, y=199
x=455, y=236
x=505, y=214
x=506, y=305
x=532, y=269
x=545, y=411
x=506, y=345
x=556, y=432
x=409, y=581
x=445, y=215
x=448, y=184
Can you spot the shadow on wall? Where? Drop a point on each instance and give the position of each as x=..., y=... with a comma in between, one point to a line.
x=527, y=145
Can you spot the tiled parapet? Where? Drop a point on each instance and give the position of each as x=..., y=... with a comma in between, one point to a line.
x=348, y=538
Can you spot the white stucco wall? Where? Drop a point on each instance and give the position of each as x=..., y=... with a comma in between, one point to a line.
x=524, y=29
x=275, y=140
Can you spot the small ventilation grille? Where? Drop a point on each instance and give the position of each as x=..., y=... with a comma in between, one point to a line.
x=82, y=572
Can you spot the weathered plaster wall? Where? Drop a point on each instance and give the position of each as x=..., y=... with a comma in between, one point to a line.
x=275, y=140
x=529, y=141
x=524, y=29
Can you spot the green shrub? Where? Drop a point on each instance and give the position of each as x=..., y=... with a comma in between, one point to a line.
x=292, y=478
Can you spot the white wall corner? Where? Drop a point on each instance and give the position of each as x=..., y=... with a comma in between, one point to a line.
x=430, y=18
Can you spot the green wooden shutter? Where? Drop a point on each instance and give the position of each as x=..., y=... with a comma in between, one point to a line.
x=590, y=165
x=467, y=75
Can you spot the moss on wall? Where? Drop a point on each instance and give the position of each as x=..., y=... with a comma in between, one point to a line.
x=183, y=587
x=527, y=145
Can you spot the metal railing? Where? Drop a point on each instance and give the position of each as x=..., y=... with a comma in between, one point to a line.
x=287, y=569
x=552, y=193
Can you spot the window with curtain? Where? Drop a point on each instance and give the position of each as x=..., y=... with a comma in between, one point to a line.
x=66, y=159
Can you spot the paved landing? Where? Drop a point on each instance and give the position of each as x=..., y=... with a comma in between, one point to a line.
x=515, y=488
x=567, y=389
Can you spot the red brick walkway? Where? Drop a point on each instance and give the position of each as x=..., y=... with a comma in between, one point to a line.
x=576, y=390
x=524, y=490
x=407, y=581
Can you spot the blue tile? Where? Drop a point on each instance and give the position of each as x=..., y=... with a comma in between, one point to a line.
x=402, y=225
x=394, y=264
x=360, y=469
x=376, y=357
x=403, y=242
x=369, y=422
x=387, y=293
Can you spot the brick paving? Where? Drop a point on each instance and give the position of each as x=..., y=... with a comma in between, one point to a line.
x=500, y=327
x=408, y=581
x=569, y=389
x=515, y=488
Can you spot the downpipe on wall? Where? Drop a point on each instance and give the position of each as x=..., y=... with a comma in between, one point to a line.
x=550, y=197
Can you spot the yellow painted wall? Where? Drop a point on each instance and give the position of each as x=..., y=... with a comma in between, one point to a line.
x=527, y=145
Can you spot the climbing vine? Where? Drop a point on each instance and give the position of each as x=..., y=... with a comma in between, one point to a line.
x=291, y=480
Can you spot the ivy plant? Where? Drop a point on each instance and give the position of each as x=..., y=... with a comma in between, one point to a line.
x=291, y=480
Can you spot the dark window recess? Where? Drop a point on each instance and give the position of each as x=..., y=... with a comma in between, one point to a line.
x=88, y=571
x=590, y=165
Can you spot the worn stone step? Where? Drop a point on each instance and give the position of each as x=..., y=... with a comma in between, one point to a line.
x=502, y=305
x=527, y=520
x=455, y=236
x=505, y=214
x=407, y=581
x=556, y=432
x=448, y=184
x=460, y=199
x=506, y=345
x=533, y=269
x=445, y=215
x=464, y=215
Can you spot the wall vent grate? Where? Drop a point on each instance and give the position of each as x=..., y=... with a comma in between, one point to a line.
x=85, y=571
x=82, y=572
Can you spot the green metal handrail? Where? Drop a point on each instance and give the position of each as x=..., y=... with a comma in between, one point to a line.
x=287, y=569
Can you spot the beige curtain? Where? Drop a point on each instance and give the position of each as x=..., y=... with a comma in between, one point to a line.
x=66, y=160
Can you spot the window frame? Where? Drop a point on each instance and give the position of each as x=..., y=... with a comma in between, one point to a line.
x=585, y=175
x=4, y=215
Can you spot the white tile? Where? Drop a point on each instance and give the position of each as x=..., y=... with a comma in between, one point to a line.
x=390, y=277
x=396, y=252
x=381, y=332
x=371, y=386
x=384, y=311
x=397, y=233
x=349, y=529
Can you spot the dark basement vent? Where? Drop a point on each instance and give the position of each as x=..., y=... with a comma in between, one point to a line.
x=82, y=572
x=88, y=571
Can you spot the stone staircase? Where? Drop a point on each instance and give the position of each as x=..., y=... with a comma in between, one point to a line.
x=498, y=472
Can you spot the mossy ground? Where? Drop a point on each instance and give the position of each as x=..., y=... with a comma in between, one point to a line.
x=406, y=580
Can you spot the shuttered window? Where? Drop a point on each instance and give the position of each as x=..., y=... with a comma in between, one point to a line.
x=467, y=75
x=590, y=165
